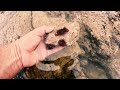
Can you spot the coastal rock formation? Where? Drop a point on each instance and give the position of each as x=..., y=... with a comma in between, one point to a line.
x=93, y=53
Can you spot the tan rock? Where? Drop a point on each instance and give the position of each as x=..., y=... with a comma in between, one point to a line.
x=104, y=27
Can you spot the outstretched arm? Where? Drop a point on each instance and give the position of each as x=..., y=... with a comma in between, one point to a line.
x=24, y=52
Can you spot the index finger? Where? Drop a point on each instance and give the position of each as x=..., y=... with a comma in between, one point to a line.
x=42, y=30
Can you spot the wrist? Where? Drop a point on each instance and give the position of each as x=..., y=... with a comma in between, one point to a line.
x=10, y=60
x=17, y=55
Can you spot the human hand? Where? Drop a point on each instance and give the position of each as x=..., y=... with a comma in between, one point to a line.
x=31, y=47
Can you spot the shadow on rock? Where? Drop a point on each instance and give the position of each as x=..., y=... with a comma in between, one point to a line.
x=95, y=66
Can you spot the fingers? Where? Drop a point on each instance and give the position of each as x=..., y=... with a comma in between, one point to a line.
x=42, y=30
x=49, y=52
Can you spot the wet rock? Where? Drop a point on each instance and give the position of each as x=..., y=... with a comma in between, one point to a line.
x=63, y=73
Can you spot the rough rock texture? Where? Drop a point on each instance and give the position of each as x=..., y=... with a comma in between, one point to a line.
x=94, y=54
x=13, y=25
x=70, y=37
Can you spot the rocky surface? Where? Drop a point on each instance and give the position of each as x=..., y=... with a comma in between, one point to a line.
x=73, y=31
x=94, y=54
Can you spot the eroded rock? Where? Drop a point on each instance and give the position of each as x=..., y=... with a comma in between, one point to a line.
x=95, y=52
x=70, y=37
